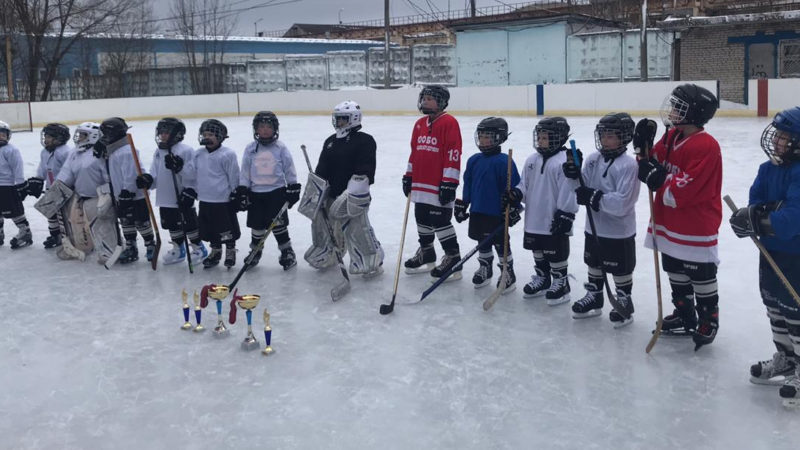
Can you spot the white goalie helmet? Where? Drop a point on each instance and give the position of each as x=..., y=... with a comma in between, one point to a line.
x=5, y=129
x=86, y=135
x=350, y=112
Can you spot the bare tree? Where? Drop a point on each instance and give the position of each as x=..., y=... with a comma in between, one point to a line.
x=132, y=46
x=51, y=28
x=204, y=27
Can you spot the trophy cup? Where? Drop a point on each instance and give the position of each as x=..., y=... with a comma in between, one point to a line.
x=218, y=292
x=267, y=335
x=185, y=298
x=248, y=303
x=198, y=313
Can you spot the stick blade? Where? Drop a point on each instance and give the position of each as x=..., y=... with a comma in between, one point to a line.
x=156, y=251
x=387, y=309
x=340, y=290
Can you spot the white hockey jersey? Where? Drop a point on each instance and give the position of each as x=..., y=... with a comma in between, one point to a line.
x=83, y=173
x=122, y=169
x=217, y=174
x=162, y=177
x=545, y=189
x=617, y=179
x=11, y=171
x=50, y=163
x=267, y=167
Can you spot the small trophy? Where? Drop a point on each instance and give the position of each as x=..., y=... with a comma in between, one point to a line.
x=267, y=335
x=248, y=303
x=185, y=298
x=198, y=313
x=218, y=292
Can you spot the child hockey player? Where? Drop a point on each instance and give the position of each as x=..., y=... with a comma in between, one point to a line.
x=550, y=209
x=13, y=190
x=172, y=173
x=347, y=163
x=611, y=190
x=685, y=172
x=54, y=139
x=217, y=178
x=86, y=176
x=485, y=182
x=772, y=216
x=431, y=179
x=267, y=180
x=131, y=206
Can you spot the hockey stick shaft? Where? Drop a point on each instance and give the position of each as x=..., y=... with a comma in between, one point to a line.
x=501, y=286
x=154, y=261
x=767, y=256
x=656, y=264
x=248, y=260
x=386, y=309
x=181, y=215
x=329, y=228
x=590, y=217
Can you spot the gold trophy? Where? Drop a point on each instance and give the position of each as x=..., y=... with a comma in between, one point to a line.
x=248, y=303
x=185, y=298
x=218, y=292
x=198, y=313
x=267, y=334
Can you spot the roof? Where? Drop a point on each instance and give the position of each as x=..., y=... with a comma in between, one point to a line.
x=736, y=19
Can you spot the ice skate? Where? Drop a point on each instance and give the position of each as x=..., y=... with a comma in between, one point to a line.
x=230, y=257
x=23, y=239
x=590, y=305
x=213, y=258
x=558, y=292
x=511, y=279
x=287, y=259
x=447, y=263
x=615, y=317
x=539, y=283
x=483, y=276
x=130, y=254
x=175, y=255
x=422, y=262
x=773, y=372
x=52, y=241
x=790, y=391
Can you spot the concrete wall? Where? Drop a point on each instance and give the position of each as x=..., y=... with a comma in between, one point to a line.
x=635, y=98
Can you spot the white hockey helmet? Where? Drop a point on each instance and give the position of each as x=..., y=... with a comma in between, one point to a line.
x=86, y=135
x=351, y=112
x=5, y=129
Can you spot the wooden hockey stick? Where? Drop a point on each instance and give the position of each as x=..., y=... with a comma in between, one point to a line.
x=767, y=256
x=501, y=286
x=387, y=309
x=154, y=261
x=657, y=265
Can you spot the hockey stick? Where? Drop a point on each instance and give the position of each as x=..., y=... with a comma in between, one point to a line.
x=459, y=264
x=340, y=290
x=154, y=261
x=501, y=286
x=248, y=260
x=112, y=259
x=623, y=310
x=180, y=209
x=767, y=256
x=657, y=265
x=387, y=309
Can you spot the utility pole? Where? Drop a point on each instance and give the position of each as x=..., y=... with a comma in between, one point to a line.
x=386, y=80
x=643, y=43
x=472, y=8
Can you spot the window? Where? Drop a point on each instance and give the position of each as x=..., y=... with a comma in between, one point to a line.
x=789, y=55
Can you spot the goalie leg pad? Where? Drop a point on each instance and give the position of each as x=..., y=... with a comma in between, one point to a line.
x=366, y=253
x=54, y=199
x=103, y=226
x=79, y=223
x=315, y=193
x=321, y=253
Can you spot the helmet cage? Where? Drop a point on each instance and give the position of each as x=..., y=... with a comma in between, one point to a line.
x=674, y=111
x=772, y=137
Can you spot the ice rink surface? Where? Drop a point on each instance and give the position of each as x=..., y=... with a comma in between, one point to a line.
x=96, y=359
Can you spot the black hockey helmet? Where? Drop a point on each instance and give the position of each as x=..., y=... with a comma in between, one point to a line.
x=557, y=131
x=57, y=131
x=174, y=127
x=439, y=93
x=620, y=124
x=781, y=138
x=215, y=127
x=113, y=129
x=496, y=129
x=267, y=117
x=689, y=104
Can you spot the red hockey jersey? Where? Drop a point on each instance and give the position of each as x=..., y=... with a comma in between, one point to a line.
x=688, y=208
x=435, y=157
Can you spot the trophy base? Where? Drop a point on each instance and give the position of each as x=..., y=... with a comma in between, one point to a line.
x=186, y=326
x=267, y=351
x=250, y=345
x=221, y=332
x=199, y=329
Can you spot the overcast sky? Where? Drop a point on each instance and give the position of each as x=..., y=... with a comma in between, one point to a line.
x=272, y=15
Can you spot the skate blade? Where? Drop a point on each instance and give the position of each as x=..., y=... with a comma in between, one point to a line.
x=536, y=295
x=484, y=284
x=674, y=334
x=558, y=301
x=169, y=262
x=623, y=323
x=791, y=402
x=777, y=380
x=587, y=314
x=509, y=289
x=421, y=269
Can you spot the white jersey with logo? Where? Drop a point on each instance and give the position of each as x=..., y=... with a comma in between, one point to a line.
x=83, y=173
x=545, y=189
x=122, y=169
x=618, y=180
x=50, y=163
x=162, y=177
x=11, y=172
x=217, y=174
x=267, y=167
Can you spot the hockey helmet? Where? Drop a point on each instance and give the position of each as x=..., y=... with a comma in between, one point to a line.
x=439, y=93
x=556, y=130
x=58, y=131
x=350, y=112
x=617, y=124
x=494, y=131
x=86, y=135
x=214, y=126
x=689, y=104
x=269, y=118
x=781, y=138
x=172, y=126
x=113, y=129
x=4, y=128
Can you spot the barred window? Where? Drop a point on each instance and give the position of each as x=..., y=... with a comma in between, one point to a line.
x=790, y=58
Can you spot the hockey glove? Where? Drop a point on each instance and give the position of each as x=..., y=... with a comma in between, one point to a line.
x=562, y=222
x=572, y=168
x=754, y=220
x=514, y=216
x=460, y=211
x=125, y=204
x=35, y=186
x=406, y=185
x=589, y=197
x=241, y=198
x=447, y=192
x=188, y=196
x=22, y=190
x=99, y=150
x=144, y=181
x=292, y=194
x=512, y=197
x=643, y=136
x=652, y=173
x=173, y=162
